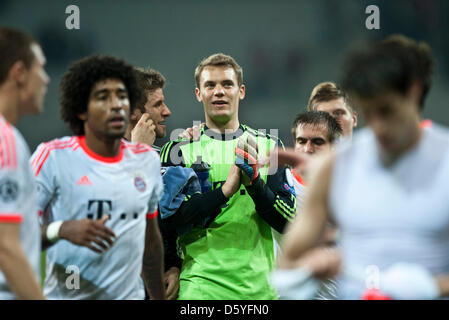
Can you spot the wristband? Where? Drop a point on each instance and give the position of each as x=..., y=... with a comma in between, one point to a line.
x=53, y=231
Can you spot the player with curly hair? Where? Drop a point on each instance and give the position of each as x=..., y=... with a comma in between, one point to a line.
x=99, y=192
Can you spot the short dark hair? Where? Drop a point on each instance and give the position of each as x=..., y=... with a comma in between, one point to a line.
x=15, y=45
x=318, y=118
x=77, y=83
x=392, y=63
x=219, y=60
x=148, y=80
x=325, y=92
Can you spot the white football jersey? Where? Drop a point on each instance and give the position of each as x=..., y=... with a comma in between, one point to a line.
x=385, y=216
x=18, y=197
x=298, y=183
x=293, y=179
x=75, y=183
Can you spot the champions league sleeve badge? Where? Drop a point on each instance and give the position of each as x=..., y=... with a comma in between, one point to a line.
x=9, y=190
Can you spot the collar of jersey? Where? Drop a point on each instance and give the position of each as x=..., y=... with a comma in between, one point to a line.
x=225, y=136
x=298, y=177
x=90, y=153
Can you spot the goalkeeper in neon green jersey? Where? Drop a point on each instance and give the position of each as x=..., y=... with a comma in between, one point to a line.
x=232, y=254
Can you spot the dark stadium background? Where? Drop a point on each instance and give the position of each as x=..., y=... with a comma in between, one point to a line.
x=285, y=48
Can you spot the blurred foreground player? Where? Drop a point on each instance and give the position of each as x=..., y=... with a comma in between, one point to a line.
x=388, y=191
x=96, y=178
x=23, y=83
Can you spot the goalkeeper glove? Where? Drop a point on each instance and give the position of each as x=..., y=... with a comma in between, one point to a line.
x=246, y=157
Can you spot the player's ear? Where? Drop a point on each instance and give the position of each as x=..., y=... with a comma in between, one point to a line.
x=414, y=92
x=19, y=72
x=242, y=92
x=354, y=117
x=198, y=95
x=136, y=115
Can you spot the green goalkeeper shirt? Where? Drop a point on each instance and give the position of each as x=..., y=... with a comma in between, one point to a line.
x=232, y=257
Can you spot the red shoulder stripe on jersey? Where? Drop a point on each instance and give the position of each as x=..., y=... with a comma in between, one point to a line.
x=40, y=213
x=141, y=148
x=11, y=218
x=298, y=177
x=139, y=151
x=136, y=148
x=36, y=155
x=127, y=143
x=8, y=150
x=3, y=147
x=2, y=151
x=12, y=147
x=47, y=151
x=42, y=163
x=152, y=215
x=47, y=147
x=57, y=143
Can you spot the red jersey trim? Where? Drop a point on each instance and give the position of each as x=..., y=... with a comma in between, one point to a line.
x=8, y=152
x=152, y=215
x=46, y=150
x=92, y=154
x=426, y=123
x=298, y=177
x=11, y=218
x=139, y=151
x=56, y=144
x=137, y=148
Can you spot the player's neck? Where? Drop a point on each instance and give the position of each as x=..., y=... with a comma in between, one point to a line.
x=389, y=159
x=231, y=125
x=9, y=105
x=103, y=146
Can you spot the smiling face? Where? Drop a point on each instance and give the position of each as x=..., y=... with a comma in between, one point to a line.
x=108, y=110
x=220, y=94
x=341, y=112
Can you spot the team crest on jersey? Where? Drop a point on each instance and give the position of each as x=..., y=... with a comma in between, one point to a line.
x=139, y=180
x=140, y=184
